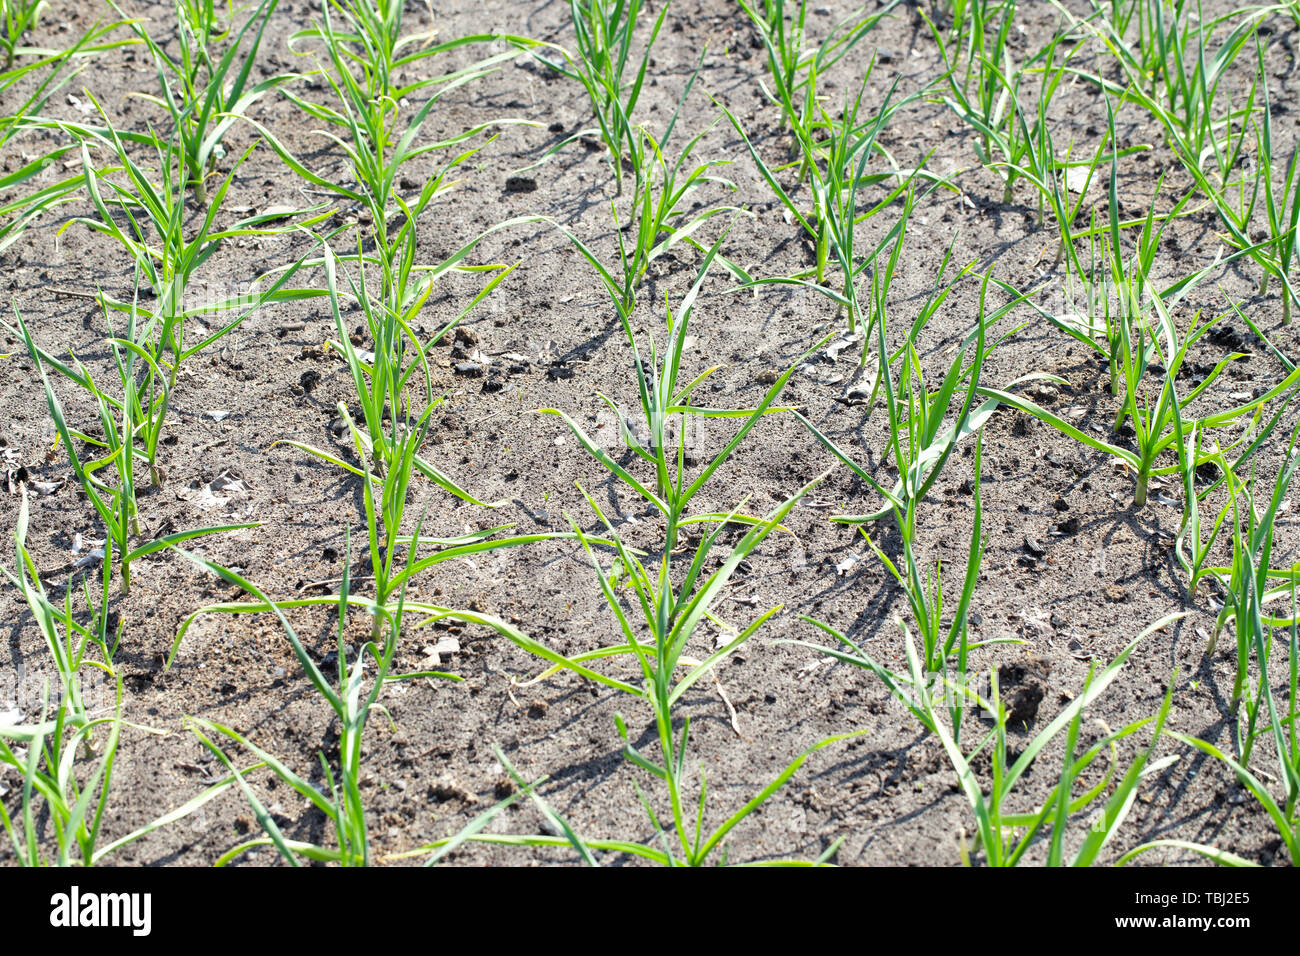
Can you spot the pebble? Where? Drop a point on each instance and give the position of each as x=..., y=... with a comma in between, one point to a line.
x=856, y=394
x=1070, y=525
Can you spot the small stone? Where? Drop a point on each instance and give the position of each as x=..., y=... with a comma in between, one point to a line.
x=470, y=369
x=444, y=789
x=856, y=394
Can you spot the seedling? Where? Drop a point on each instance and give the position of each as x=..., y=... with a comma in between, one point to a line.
x=379, y=145
x=917, y=439
x=1143, y=334
x=657, y=211
x=50, y=753
x=204, y=95
x=667, y=411
x=113, y=498
x=1004, y=836
x=393, y=382
x=793, y=68
x=837, y=165
x=58, y=68
x=351, y=701
x=603, y=31
x=16, y=18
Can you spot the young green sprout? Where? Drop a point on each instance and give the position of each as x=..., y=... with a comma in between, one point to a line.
x=1246, y=580
x=1281, y=202
x=976, y=54
x=68, y=651
x=168, y=253
x=668, y=412
x=16, y=18
x=74, y=799
x=1003, y=835
x=603, y=32
x=393, y=383
x=38, y=80
x=1195, y=130
x=351, y=701
x=204, y=95
x=1257, y=630
x=676, y=598
x=369, y=124
x=945, y=633
x=1158, y=426
x=109, y=480
x=670, y=613
x=1143, y=336
x=61, y=795
x=354, y=692
x=657, y=220
x=835, y=154
x=917, y=439
x=793, y=69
